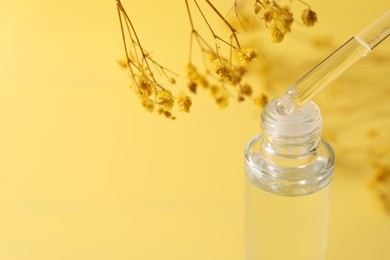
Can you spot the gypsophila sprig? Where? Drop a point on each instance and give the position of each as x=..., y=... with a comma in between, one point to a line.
x=309, y=17
x=279, y=18
x=225, y=61
x=146, y=74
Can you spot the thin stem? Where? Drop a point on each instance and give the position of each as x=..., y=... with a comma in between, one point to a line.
x=232, y=29
x=122, y=30
x=238, y=15
x=202, y=41
x=231, y=52
x=144, y=55
x=204, y=18
x=190, y=49
x=192, y=29
x=303, y=2
x=228, y=43
x=133, y=43
x=189, y=15
x=162, y=68
x=217, y=49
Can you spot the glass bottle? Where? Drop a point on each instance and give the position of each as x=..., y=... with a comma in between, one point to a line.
x=288, y=172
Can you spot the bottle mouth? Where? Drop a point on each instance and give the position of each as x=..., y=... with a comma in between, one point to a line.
x=291, y=134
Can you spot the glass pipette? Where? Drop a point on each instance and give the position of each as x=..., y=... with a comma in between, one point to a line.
x=329, y=69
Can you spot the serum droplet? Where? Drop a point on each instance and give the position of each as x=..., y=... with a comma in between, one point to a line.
x=284, y=106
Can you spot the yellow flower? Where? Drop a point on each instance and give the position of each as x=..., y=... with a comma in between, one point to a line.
x=145, y=86
x=381, y=184
x=309, y=17
x=191, y=70
x=195, y=77
x=166, y=113
x=165, y=99
x=123, y=63
x=246, y=55
x=246, y=90
x=220, y=95
x=184, y=102
x=222, y=101
x=283, y=19
x=222, y=69
x=236, y=75
x=192, y=86
x=147, y=103
x=172, y=80
x=276, y=34
x=257, y=7
x=261, y=100
x=211, y=55
x=268, y=15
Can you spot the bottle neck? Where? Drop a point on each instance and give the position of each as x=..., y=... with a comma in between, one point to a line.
x=294, y=135
x=289, y=158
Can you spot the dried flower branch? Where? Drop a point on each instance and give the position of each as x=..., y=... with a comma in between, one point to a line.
x=144, y=71
x=279, y=19
x=225, y=61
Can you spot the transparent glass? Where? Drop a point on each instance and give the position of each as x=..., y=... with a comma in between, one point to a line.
x=320, y=76
x=281, y=227
x=330, y=68
x=288, y=172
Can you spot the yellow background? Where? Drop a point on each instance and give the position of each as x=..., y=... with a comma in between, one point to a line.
x=87, y=173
